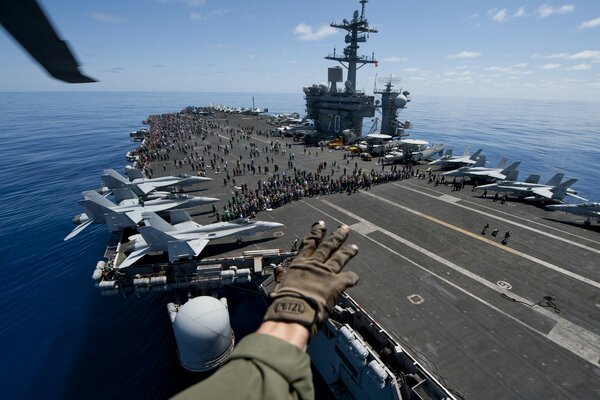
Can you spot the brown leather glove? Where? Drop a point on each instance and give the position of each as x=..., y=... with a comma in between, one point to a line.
x=314, y=279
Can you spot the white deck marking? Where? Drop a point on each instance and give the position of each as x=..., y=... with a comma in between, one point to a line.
x=570, y=336
x=441, y=195
x=488, y=241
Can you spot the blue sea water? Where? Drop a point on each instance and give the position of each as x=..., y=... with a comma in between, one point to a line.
x=60, y=339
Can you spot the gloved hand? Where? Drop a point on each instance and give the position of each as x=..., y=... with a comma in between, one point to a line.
x=314, y=280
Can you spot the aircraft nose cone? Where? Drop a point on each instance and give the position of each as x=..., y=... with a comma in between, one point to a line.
x=199, y=179
x=209, y=200
x=274, y=225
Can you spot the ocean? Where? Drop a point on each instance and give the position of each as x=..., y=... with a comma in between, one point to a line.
x=59, y=338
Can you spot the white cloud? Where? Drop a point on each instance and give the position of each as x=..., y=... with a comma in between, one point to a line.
x=394, y=59
x=550, y=66
x=218, y=12
x=104, y=17
x=306, y=32
x=196, y=16
x=586, y=54
x=520, y=12
x=580, y=67
x=545, y=10
x=592, y=23
x=521, y=65
x=465, y=54
x=500, y=15
x=189, y=3
x=558, y=55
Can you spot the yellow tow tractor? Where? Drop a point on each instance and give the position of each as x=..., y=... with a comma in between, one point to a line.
x=335, y=143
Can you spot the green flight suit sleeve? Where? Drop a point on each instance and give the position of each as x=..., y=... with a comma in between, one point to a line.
x=260, y=367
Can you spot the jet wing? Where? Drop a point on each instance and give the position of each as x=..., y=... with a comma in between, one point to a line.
x=146, y=187
x=577, y=197
x=78, y=229
x=27, y=23
x=133, y=257
x=489, y=175
x=545, y=193
x=185, y=248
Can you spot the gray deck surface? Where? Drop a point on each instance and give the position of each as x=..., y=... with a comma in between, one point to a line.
x=478, y=327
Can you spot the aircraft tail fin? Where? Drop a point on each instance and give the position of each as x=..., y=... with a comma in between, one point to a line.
x=532, y=179
x=512, y=175
x=511, y=167
x=501, y=163
x=448, y=153
x=179, y=216
x=121, y=194
x=558, y=193
x=112, y=179
x=568, y=183
x=134, y=173
x=153, y=220
x=156, y=238
x=555, y=180
x=475, y=155
x=480, y=162
x=97, y=198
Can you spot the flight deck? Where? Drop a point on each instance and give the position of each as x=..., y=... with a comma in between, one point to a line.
x=491, y=320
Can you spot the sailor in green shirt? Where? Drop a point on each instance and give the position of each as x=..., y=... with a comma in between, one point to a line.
x=272, y=363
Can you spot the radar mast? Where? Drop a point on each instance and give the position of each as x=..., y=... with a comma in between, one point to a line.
x=357, y=32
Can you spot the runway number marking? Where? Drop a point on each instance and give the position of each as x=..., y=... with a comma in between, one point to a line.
x=504, y=285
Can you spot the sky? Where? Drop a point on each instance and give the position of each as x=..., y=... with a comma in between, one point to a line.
x=474, y=48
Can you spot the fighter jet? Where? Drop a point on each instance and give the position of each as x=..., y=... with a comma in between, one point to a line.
x=449, y=161
x=126, y=197
x=528, y=190
x=480, y=163
x=186, y=238
x=589, y=210
x=142, y=186
x=479, y=174
x=99, y=210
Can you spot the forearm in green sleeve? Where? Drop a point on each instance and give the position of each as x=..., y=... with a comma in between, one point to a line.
x=260, y=367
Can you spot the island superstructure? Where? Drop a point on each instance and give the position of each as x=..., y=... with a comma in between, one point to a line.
x=336, y=110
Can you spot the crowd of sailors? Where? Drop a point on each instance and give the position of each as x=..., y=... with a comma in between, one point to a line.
x=178, y=141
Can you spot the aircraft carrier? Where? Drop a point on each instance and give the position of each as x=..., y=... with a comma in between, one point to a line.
x=518, y=319
x=513, y=321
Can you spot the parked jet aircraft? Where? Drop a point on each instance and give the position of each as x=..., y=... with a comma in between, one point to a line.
x=142, y=186
x=186, y=238
x=449, y=161
x=124, y=196
x=480, y=163
x=99, y=210
x=589, y=210
x=527, y=190
x=486, y=174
